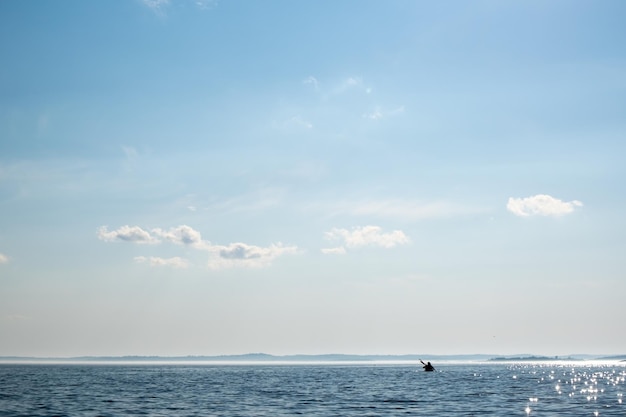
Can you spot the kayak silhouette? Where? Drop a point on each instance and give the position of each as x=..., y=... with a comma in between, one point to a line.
x=427, y=366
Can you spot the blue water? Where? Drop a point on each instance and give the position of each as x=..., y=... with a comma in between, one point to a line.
x=576, y=389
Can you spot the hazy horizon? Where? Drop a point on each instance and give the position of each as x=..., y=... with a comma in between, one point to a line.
x=324, y=357
x=217, y=177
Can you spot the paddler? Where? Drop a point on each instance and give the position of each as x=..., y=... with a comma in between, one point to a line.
x=427, y=366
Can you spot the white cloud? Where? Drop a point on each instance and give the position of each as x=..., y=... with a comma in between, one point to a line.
x=181, y=235
x=175, y=262
x=3, y=259
x=233, y=255
x=368, y=235
x=241, y=254
x=541, y=205
x=126, y=233
x=340, y=250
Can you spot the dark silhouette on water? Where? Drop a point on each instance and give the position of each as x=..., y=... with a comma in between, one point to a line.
x=427, y=366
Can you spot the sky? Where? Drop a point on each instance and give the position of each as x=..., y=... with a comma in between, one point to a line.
x=214, y=177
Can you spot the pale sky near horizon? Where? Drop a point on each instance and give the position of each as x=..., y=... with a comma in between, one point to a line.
x=192, y=177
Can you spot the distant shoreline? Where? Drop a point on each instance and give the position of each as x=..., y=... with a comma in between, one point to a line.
x=330, y=358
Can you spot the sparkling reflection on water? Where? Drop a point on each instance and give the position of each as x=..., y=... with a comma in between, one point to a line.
x=576, y=389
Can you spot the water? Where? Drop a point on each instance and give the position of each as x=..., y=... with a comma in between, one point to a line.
x=312, y=390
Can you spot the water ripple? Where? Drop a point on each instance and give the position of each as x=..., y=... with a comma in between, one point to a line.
x=312, y=390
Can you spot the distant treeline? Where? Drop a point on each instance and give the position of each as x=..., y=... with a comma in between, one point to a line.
x=258, y=357
x=264, y=357
x=532, y=358
x=558, y=358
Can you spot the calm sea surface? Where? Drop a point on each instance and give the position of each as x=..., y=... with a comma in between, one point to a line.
x=575, y=389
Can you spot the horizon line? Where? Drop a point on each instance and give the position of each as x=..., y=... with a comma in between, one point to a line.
x=333, y=357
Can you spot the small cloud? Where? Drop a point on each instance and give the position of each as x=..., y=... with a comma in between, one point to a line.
x=334, y=251
x=541, y=205
x=368, y=236
x=241, y=254
x=134, y=234
x=241, y=251
x=4, y=259
x=181, y=235
x=175, y=262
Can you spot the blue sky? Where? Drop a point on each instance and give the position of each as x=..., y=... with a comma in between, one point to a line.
x=220, y=177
